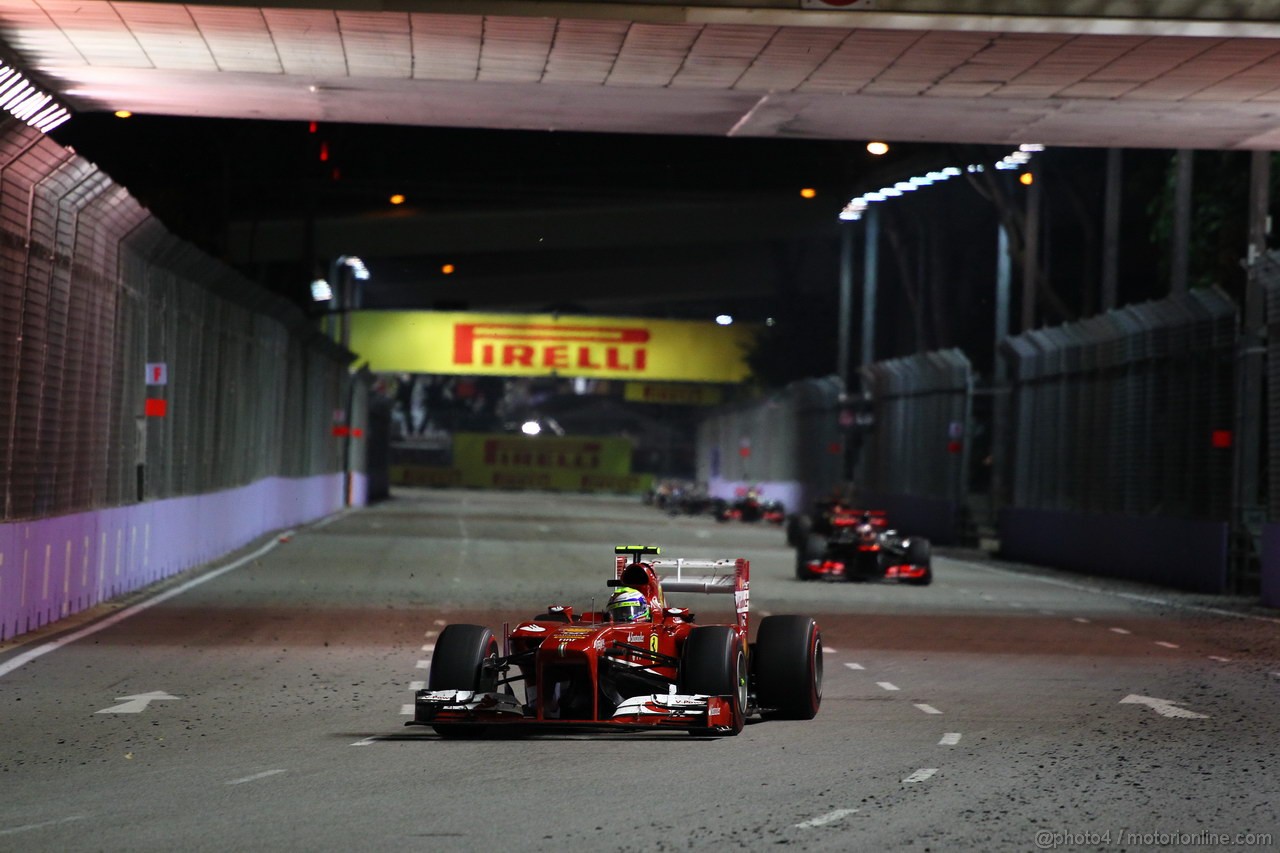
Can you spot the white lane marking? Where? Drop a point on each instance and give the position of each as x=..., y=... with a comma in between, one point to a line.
x=829, y=817
x=1163, y=707
x=1016, y=604
x=430, y=634
x=1146, y=599
x=855, y=666
x=1119, y=631
x=543, y=528
x=407, y=710
x=255, y=777
x=950, y=739
x=136, y=704
x=928, y=709
x=27, y=827
x=1048, y=613
x=920, y=775
x=703, y=534
x=417, y=685
x=1219, y=659
x=828, y=650
x=888, y=685
x=1168, y=645
x=331, y=519
x=425, y=663
x=1081, y=620
x=428, y=647
x=53, y=645
x=439, y=622
x=369, y=741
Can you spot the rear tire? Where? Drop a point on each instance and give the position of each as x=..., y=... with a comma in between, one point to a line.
x=713, y=663
x=458, y=664
x=788, y=667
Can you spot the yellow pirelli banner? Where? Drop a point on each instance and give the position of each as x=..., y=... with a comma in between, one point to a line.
x=547, y=344
x=504, y=461
x=672, y=395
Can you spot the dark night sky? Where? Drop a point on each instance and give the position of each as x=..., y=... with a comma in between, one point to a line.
x=197, y=175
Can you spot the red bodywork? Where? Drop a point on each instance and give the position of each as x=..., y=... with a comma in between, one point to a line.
x=750, y=505
x=580, y=670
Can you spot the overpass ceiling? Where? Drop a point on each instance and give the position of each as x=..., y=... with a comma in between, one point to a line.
x=692, y=119
x=763, y=69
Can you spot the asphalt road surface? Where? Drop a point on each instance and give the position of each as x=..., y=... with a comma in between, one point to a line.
x=260, y=705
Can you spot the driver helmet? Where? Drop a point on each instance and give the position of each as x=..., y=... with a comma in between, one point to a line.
x=627, y=605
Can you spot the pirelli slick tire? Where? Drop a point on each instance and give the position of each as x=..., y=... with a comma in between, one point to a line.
x=813, y=547
x=799, y=526
x=920, y=553
x=713, y=663
x=788, y=667
x=457, y=663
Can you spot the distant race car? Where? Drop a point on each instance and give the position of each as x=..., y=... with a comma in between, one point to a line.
x=856, y=545
x=639, y=664
x=750, y=506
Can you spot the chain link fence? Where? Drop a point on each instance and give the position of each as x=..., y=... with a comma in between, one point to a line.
x=1128, y=412
x=93, y=290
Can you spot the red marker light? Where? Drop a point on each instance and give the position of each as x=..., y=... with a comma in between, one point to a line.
x=156, y=408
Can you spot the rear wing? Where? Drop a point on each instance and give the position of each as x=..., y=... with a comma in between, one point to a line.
x=678, y=574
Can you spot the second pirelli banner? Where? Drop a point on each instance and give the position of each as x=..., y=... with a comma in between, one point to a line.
x=546, y=344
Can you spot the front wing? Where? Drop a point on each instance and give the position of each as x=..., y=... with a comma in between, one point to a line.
x=657, y=710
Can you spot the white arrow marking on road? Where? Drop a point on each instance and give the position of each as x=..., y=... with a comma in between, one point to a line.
x=136, y=704
x=255, y=777
x=1163, y=707
x=854, y=665
x=826, y=818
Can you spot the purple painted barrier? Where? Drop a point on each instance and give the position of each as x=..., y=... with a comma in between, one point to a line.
x=1171, y=552
x=1271, y=565
x=53, y=567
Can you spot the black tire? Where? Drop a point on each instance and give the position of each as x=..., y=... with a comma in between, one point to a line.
x=920, y=553
x=799, y=526
x=713, y=663
x=814, y=547
x=788, y=667
x=458, y=664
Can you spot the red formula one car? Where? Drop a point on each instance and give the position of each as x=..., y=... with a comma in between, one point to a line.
x=856, y=545
x=639, y=664
x=749, y=506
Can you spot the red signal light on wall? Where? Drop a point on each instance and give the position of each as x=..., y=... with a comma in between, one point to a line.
x=1221, y=439
x=156, y=408
x=324, y=152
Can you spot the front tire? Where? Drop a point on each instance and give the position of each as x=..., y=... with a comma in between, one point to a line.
x=814, y=547
x=799, y=526
x=788, y=667
x=713, y=663
x=458, y=663
x=920, y=553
